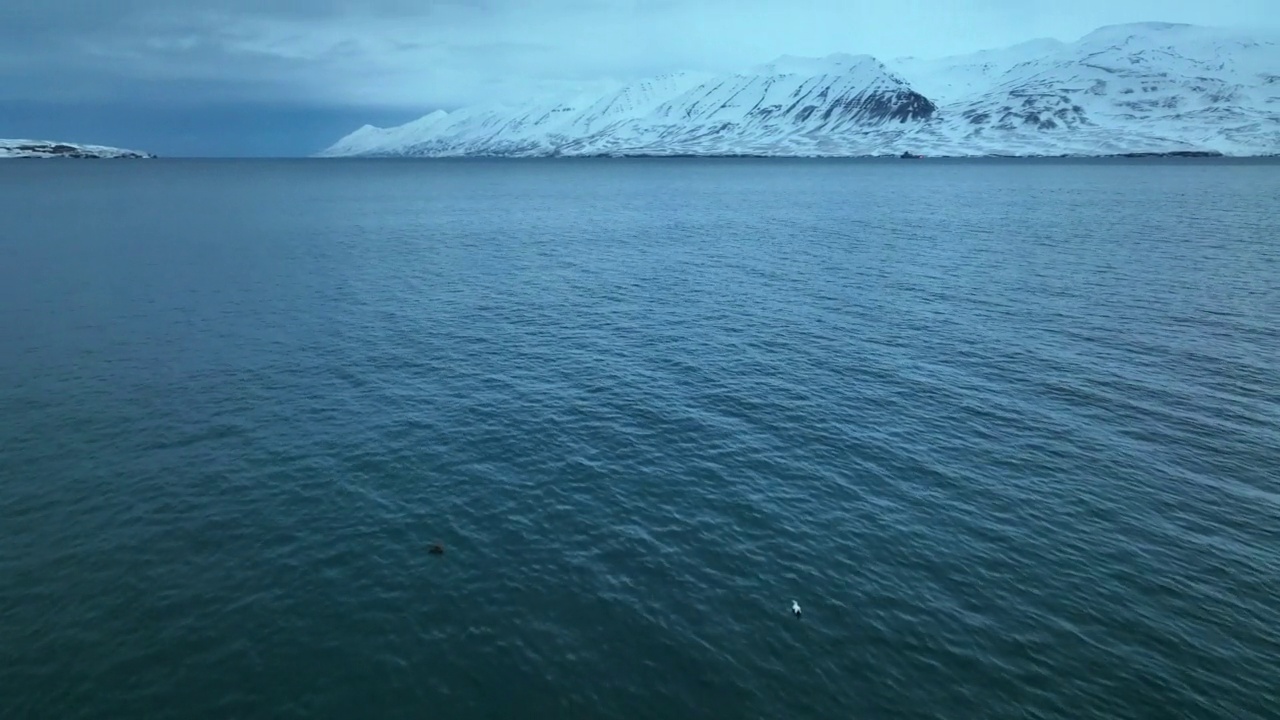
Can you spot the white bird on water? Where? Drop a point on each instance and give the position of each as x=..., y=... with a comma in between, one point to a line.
x=795, y=608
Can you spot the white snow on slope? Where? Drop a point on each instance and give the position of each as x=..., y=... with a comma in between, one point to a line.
x=949, y=79
x=49, y=149
x=786, y=107
x=530, y=128
x=1146, y=87
x=1150, y=87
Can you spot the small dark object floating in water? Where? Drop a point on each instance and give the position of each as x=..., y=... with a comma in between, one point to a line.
x=436, y=549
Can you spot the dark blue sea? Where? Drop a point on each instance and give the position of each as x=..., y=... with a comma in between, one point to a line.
x=1008, y=432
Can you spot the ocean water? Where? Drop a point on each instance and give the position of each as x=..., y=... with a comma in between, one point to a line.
x=1008, y=431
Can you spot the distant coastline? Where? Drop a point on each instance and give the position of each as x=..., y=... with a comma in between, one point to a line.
x=1170, y=154
x=56, y=149
x=1175, y=154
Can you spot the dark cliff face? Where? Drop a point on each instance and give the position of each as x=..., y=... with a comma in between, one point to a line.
x=826, y=110
x=1019, y=108
x=908, y=106
x=878, y=108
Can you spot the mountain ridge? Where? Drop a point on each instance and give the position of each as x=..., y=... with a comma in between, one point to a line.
x=1147, y=88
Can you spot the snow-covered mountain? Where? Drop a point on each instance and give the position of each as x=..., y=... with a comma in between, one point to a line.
x=48, y=149
x=1147, y=87
x=789, y=106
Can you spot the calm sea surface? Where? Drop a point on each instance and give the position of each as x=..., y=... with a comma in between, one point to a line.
x=1009, y=432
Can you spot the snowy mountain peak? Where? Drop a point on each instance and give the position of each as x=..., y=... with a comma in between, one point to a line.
x=1026, y=49
x=833, y=64
x=1125, y=32
x=1138, y=87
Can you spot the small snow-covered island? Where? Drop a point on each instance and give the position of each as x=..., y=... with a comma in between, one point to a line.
x=48, y=149
x=1123, y=90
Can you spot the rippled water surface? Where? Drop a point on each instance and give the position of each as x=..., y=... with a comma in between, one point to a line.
x=1008, y=432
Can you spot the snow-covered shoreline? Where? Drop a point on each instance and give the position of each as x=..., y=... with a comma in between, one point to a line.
x=1143, y=88
x=52, y=149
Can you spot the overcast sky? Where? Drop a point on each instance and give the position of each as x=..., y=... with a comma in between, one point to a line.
x=287, y=77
